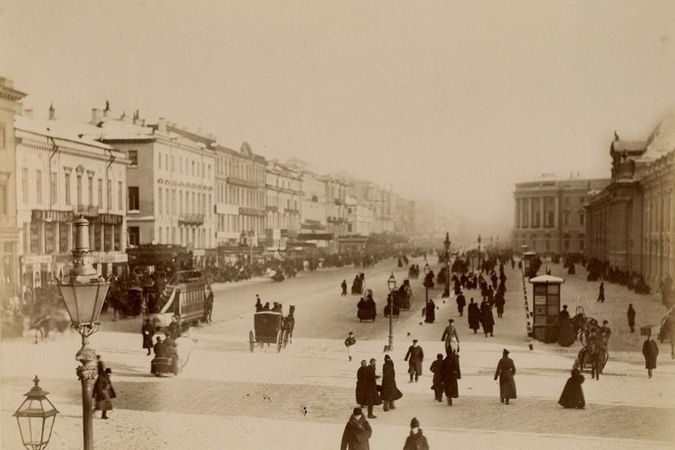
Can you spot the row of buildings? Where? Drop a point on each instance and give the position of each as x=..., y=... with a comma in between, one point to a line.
x=626, y=220
x=157, y=183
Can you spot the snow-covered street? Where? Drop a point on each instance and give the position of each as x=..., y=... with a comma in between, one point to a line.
x=228, y=397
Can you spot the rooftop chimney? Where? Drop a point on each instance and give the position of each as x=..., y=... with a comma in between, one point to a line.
x=52, y=112
x=96, y=116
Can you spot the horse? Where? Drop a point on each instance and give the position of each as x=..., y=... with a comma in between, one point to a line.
x=667, y=331
x=288, y=323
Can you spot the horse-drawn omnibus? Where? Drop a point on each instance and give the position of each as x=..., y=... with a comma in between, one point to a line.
x=184, y=297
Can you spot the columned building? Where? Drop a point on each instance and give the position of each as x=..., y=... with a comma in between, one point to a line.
x=549, y=215
x=336, y=191
x=9, y=231
x=170, y=177
x=62, y=175
x=631, y=222
x=283, y=203
x=240, y=201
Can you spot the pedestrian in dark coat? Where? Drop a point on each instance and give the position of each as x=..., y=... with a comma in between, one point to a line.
x=437, y=386
x=505, y=371
x=572, y=396
x=450, y=334
x=450, y=373
x=370, y=392
x=390, y=392
x=499, y=303
x=357, y=432
x=430, y=312
x=416, y=440
x=474, y=316
x=104, y=393
x=344, y=287
x=601, y=292
x=630, y=314
x=148, y=332
x=361, y=384
x=650, y=350
x=414, y=356
x=160, y=349
x=461, y=303
x=487, y=320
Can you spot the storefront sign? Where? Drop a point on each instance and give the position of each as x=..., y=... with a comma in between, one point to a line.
x=110, y=219
x=51, y=216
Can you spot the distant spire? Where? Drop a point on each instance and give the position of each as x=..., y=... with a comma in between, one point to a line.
x=107, y=105
x=616, y=136
x=52, y=111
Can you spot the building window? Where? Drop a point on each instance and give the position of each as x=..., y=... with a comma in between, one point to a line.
x=108, y=194
x=38, y=186
x=53, y=188
x=581, y=219
x=551, y=219
x=134, y=236
x=78, y=188
x=3, y=199
x=581, y=245
x=159, y=160
x=24, y=185
x=100, y=193
x=566, y=245
x=2, y=136
x=160, y=202
x=133, y=158
x=67, y=188
x=134, y=200
x=120, y=196
x=90, y=190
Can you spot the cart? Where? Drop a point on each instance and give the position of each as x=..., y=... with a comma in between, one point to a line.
x=268, y=326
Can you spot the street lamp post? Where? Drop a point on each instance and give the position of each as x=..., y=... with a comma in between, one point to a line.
x=447, y=265
x=391, y=283
x=36, y=417
x=83, y=293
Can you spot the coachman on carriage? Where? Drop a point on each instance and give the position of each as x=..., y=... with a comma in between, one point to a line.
x=367, y=310
x=594, y=354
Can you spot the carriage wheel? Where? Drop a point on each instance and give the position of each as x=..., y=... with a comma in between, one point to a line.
x=251, y=341
x=280, y=341
x=605, y=358
x=286, y=336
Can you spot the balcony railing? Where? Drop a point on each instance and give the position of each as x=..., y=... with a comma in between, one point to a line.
x=191, y=219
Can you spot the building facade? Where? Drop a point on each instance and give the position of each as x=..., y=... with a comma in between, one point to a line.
x=170, y=177
x=550, y=216
x=336, y=218
x=631, y=222
x=61, y=176
x=240, y=200
x=282, y=207
x=9, y=230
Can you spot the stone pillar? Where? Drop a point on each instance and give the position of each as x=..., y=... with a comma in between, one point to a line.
x=529, y=212
x=541, y=212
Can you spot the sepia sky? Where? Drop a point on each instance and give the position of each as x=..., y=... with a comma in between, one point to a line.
x=453, y=101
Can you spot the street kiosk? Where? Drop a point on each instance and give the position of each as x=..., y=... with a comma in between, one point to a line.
x=546, y=311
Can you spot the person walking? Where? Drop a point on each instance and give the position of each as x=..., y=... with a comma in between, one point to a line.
x=461, y=303
x=572, y=395
x=104, y=393
x=474, y=316
x=390, y=392
x=416, y=440
x=351, y=340
x=601, y=292
x=414, y=356
x=357, y=432
x=361, y=384
x=505, y=371
x=208, y=305
x=371, y=394
x=437, y=369
x=450, y=373
x=344, y=287
x=430, y=312
x=450, y=334
x=630, y=315
x=487, y=319
x=650, y=350
x=148, y=332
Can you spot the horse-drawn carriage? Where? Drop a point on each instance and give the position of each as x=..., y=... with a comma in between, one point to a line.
x=271, y=327
x=366, y=308
x=594, y=354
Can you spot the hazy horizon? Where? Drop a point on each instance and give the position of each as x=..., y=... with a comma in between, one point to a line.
x=448, y=101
